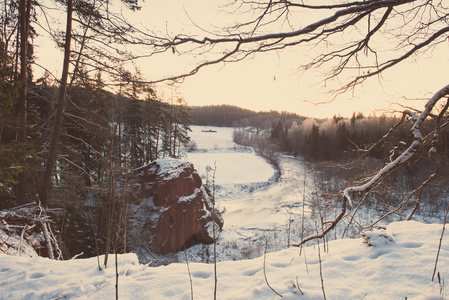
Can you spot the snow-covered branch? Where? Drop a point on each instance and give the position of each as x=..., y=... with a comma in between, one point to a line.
x=405, y=156
x=350, y=192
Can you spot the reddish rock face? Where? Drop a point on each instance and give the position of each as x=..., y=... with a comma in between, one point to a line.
x=169, y=208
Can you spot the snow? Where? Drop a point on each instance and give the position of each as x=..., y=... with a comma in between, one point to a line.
x=213, y=138
x=395, y=267
x=392, y=263
x=233, y=164
x=248, y=167
x=189, y=198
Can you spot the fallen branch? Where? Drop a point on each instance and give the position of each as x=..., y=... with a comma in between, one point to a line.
x=45, y=232
x=25, y=228
x=331, y=226
x=20, y=221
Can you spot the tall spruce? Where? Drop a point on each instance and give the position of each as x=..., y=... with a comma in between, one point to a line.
x=51, y=158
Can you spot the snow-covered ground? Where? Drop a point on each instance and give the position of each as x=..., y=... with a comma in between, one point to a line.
x=260, y=214
x=398, y=265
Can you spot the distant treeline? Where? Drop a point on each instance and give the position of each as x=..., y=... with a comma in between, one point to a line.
x=336, y=138
x=233, y=116
x=339, y=138
x=316, y=139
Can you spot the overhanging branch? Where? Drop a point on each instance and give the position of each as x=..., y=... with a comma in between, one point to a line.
x=350, y=192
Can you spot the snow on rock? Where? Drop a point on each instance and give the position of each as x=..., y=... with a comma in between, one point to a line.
x=350, y=269
x=169, y=208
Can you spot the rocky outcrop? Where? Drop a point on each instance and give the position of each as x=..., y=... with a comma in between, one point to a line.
x=168, y=207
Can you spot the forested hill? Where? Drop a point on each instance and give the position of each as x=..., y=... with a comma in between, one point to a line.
x=233, y=116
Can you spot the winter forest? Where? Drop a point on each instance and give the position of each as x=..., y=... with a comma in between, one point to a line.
x=106, y=168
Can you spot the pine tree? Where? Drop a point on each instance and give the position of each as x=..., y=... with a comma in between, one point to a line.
x=133, y=130
x=181, y=126
x=277, y=130
x=314, y=143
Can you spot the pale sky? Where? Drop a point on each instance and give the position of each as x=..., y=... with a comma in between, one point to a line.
x=268, y=81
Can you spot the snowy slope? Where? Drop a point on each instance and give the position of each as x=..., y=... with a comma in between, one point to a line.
x=398, y=265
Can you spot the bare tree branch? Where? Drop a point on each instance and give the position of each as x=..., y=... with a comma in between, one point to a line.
x=350, y=192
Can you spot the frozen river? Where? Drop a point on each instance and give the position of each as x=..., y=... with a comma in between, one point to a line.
x=271, y=207
x=255, y=207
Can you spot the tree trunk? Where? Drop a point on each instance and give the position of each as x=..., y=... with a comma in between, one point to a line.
x=175, y=135
x=25, y=7
x=23, y=71
x=46, y=181
x=78, y=59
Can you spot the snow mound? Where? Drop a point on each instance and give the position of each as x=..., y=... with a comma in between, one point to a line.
x=398, y=267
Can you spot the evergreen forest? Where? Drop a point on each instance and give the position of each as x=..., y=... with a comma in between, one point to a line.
x=103, y=134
